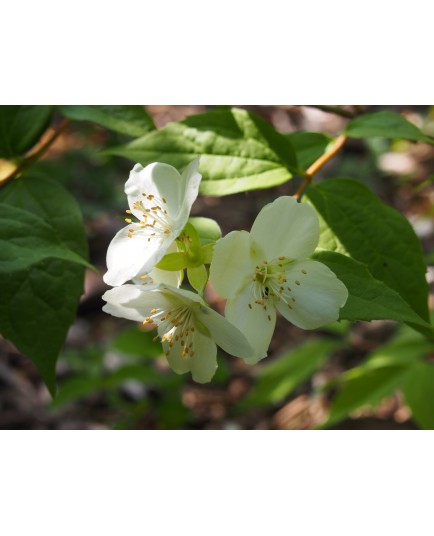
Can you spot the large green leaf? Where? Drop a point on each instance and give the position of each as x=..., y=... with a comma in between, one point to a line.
x=357, y=223
x=239, y=151
x=365, y=388
x=42, y=252
x=385, y=124
x=131, y=120
x=419, y=393
x=396, y=365
x=21, y=127
x=309, y=146
x=278, y=379
x=369, y=299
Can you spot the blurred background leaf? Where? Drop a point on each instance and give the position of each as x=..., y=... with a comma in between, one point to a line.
x=21, y=127
x=133, y=121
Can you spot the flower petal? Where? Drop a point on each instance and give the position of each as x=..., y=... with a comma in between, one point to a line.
x=255, y=322
x=157, y=179
x=201, y=360
x=128, y=256
x=133, y=302
x=177, y=362
x=225, y=334
x=317, y=292
x=190, y=178
x=233, y=263
x=157, y=277
x=286, y=228
x=204, y=362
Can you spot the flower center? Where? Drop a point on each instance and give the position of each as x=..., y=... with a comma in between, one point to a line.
x=154, y=220
x=176, y=327
x=270, y=283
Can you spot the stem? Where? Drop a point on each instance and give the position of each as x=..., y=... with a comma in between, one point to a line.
x=27, y=162
x=334, y=110
x=318, y=164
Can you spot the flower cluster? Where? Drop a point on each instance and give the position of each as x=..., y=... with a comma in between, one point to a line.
x=259, y=273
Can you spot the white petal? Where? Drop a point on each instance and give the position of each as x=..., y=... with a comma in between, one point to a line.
x=256, y=323
x=157, y=277
x=204, y=362
x=233, y=263
x=225, y=334
x=286, y=228
x=191, y=181
x=133, y=302
x=128, y=256
x=318, y=295
x=186, y=297
x=177, y=362
x=160, y=180
x=201, y=360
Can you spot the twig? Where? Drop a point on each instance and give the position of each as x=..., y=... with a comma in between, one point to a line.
x=318, y=164
x=27, y=162
x=333, y=110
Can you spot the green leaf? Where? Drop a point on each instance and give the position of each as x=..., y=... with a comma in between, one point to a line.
x=365, y=387
x=369, y=299
x=309, y=146
x=278, y=379
x=388, y=368
x=137, y=342
x=384, y=125
x=419, y=394
x=74, y=389
x=239, y=151
x=80, y=387
x=207, y=229
x=21, y=127
x=141, y=372
x=357, y=223
x=42, y=250
x=130, y=120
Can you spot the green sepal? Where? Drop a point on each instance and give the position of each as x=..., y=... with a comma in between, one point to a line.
x=173, y=262
x=189, y=242
x=208, y=252
x=207, y=229
x=198, y=277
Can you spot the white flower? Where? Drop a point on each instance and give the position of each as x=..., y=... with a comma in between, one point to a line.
x=189, y=330
x=156, y=277
x=161, y=199
x=268, y=269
